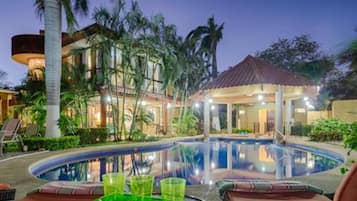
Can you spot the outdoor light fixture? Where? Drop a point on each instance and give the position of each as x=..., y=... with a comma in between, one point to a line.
x=213, y=165
x=169, y=105
x=197, y=105
x=213, y=107
x=309, y=105
x=210, y=100
x=260, y=97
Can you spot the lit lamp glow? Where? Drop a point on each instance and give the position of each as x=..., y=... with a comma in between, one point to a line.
x=260, y=97
x=169, y=106
x=213, y=107
x=210, y=100
x=197, y=105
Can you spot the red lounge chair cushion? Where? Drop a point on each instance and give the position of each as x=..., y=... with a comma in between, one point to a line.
x=292, y=196
x=72, y=188
x=4, y=186
x=264, y=187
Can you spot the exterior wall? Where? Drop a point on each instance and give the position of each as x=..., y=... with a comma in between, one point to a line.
x=345, y=110
x=315, y=115
x=251, y=115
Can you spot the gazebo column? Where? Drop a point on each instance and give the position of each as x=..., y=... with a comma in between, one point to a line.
x=279, y=110
x=288, y=116
x=206, y=120
x=229, y=118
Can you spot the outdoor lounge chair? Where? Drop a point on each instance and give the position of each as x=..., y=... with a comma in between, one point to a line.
x=286, y=190
x=31, y=131
x=8, y=133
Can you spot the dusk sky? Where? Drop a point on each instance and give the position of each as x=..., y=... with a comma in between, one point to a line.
x=250, y=25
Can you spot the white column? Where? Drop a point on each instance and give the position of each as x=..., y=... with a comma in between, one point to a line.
x=229, y=118
x=279, y=110
x=206, y=120
x=288, y=116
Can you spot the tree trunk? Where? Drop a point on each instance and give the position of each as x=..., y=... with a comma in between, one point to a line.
x=53, y=47
x=214, y=64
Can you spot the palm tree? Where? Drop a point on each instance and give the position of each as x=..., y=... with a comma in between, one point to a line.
x=51, y=9
x=209, y=36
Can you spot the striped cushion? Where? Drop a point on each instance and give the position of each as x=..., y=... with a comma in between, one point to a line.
x=261, y=186
x=72, y=188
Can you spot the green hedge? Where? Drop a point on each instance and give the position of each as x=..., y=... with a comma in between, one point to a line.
x=329, y=130
x=242, y=130
x=36, y=143
x=93, y=135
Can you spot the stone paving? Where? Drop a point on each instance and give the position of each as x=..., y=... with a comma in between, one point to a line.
x=16, y=171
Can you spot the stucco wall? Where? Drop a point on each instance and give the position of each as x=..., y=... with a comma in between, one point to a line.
x=315, y=115
x=345, y=110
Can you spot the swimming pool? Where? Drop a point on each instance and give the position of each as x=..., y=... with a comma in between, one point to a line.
x=197, y=161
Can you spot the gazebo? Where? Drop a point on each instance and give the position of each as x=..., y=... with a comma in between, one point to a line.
x=254, y=82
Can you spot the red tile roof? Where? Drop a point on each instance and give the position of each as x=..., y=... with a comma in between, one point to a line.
x=256, y=71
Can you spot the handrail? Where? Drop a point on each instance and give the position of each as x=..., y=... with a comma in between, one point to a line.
x=283, y=137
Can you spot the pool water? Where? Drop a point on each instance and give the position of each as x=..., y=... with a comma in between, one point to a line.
x=202, y=163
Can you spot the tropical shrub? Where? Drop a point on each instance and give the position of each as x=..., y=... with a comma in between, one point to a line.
x=36, y=143
x=329, y=130
x=139, y=136
x=350, y=139
x=187, y=125
x=93, y=135
x=242, y=130
x=67, y=124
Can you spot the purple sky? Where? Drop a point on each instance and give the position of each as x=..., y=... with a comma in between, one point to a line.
x=250, y=25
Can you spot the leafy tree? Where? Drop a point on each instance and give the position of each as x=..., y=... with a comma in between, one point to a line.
x=338, y=84
x=349, y=56
x=299, y=55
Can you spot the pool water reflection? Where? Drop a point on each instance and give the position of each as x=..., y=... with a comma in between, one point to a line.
x=200, y=163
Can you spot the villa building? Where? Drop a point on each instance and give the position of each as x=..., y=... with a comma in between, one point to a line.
x=28, y=49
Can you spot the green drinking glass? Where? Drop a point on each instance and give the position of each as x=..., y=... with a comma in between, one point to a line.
x=173, y=189
x=142, y=185
x=113, y=183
